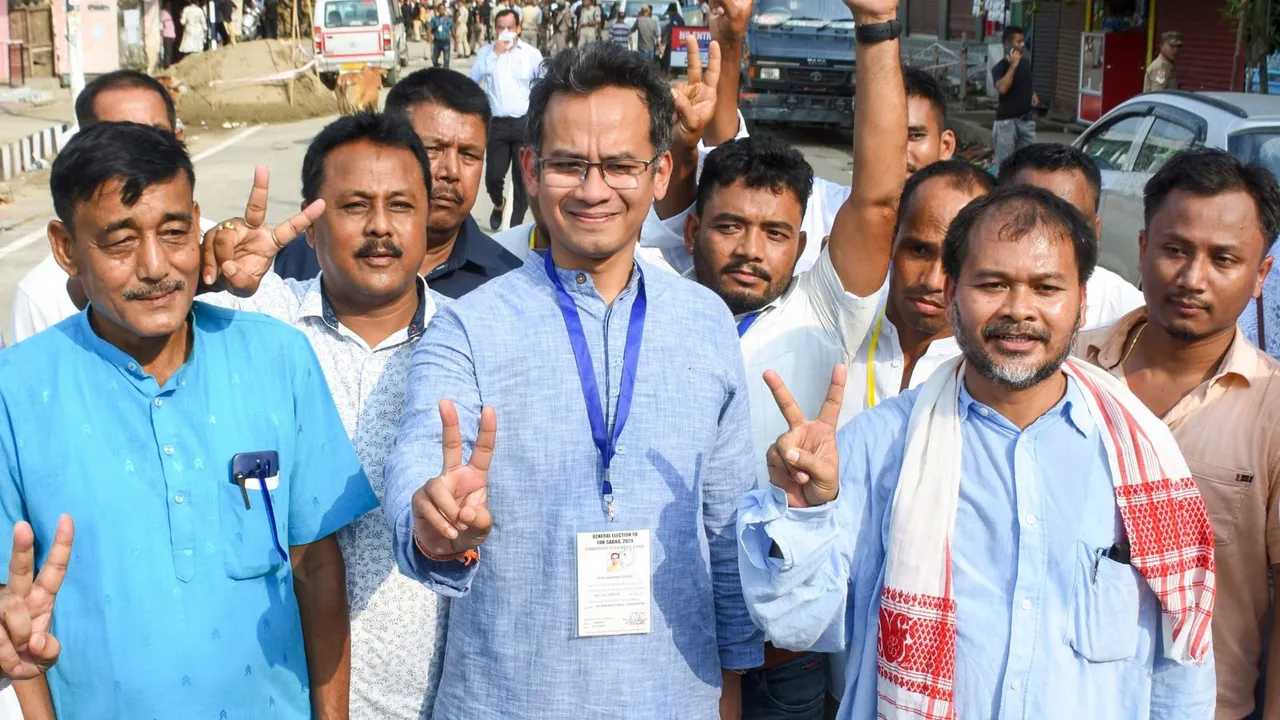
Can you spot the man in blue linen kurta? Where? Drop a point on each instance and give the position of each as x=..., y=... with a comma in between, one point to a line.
x=193, y=593
x=679, y=459
x=1052, y=618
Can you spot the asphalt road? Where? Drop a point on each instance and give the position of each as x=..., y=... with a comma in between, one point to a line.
x=224, y=162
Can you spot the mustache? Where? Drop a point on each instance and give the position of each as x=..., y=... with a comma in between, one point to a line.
x=447, y=192
x=1005, y=328
x=376, y=247
x=160, y=289
x=1191, y=300
x=750, y=268
x=924, y=294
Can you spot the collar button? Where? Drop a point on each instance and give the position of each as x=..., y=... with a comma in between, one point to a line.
x=581, y=278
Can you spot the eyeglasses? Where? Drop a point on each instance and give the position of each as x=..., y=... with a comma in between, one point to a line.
x=571, y=172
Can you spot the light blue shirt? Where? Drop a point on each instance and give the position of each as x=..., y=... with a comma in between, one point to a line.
x=1040, y=632
x=507, y=78
x=176, y=602
x=683, y=464
x=1270, y=311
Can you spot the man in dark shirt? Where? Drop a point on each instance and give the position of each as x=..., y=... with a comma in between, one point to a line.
x=1015, y=126
x=450, y=114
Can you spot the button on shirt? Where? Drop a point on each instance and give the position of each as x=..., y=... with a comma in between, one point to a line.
x=1228, y=429
x=178, y=599
x=397, y=625
x=506, y=78
x=683, y=463
x=1045, y=628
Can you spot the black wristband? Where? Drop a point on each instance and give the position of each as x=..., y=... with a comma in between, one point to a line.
x=878, y=32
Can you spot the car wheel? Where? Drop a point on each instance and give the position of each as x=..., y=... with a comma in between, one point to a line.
x=391, y=78
x=330, y=80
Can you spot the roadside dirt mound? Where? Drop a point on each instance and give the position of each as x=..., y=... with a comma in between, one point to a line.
x=246, y=83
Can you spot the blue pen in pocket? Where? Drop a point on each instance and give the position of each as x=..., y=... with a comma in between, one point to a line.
x=260, y=470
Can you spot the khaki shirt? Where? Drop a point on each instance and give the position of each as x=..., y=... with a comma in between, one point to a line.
x=1228, y=429
x=1161, y=75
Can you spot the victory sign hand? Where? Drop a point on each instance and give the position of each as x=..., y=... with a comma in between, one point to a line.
x=26, y=604
x=451, y=512
x=804, y=462
x=696, y=99
x=242, y=250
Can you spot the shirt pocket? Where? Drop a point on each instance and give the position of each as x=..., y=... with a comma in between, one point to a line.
x=1224, y=490
x=249, y=546
x=1102, y=620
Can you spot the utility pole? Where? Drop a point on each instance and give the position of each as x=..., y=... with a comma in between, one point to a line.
x=75, y=54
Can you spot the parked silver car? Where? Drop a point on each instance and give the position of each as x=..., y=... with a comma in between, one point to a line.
x=1134, y=140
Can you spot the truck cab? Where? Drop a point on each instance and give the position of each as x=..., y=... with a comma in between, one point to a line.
x=799, y=68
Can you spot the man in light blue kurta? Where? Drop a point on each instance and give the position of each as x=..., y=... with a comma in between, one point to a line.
x=1047, y=625
x=182, y=599
x=683, y=456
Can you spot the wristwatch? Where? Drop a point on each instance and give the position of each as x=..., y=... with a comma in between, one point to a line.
x=878, y=32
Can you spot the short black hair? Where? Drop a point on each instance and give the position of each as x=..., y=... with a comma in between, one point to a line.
x=451, y=89
x=1022, y=208
x=758, y=162
x=138, y=156
x=1207, y=172
x=1052, y=157
x=503, y=12
x=384, y=129
x=86, y=114
x=1010, y=31
x=958, y=174
x=599, y=65
x=922, y=84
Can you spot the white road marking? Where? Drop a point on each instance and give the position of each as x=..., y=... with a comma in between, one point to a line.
x=37, y=235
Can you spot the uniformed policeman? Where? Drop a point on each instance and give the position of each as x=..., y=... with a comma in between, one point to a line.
x=1161, y=74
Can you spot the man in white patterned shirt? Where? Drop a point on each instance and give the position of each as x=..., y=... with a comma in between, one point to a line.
x=363, y=314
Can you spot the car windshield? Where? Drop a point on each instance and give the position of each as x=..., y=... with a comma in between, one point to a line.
x=1261, y=146
x=351, y=13
x=776, y=12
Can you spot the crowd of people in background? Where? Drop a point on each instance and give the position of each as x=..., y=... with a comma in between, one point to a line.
x=460, y=28
x=705, y=438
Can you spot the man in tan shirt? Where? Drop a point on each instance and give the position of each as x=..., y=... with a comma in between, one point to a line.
x=1161, y=75
x=1209, y=223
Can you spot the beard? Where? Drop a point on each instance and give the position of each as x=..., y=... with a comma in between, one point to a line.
x=1014, y=374
x=738, y=299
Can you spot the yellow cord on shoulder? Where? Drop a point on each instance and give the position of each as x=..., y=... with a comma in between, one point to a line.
x=871, y=362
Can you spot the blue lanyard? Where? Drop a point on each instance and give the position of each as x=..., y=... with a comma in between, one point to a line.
x=745, y=323
x=606, y=444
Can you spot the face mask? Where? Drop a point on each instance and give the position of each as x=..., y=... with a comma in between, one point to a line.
x=506, y=36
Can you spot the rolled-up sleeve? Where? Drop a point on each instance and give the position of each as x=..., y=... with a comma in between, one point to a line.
x=801, y=600
x=798, y=599
x=729, y=476
x=441, y=367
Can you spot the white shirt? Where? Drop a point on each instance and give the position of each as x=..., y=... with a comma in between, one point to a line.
x=802, y=335
x=506, y=78
x=41, y=300
x=397, y=624
x=1109, y=297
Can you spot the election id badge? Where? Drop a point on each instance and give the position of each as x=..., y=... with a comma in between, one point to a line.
x=615, y=578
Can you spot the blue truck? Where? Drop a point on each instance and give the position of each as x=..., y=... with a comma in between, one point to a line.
x=799, y=65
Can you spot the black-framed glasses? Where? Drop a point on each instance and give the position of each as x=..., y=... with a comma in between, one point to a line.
x=572, y=172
